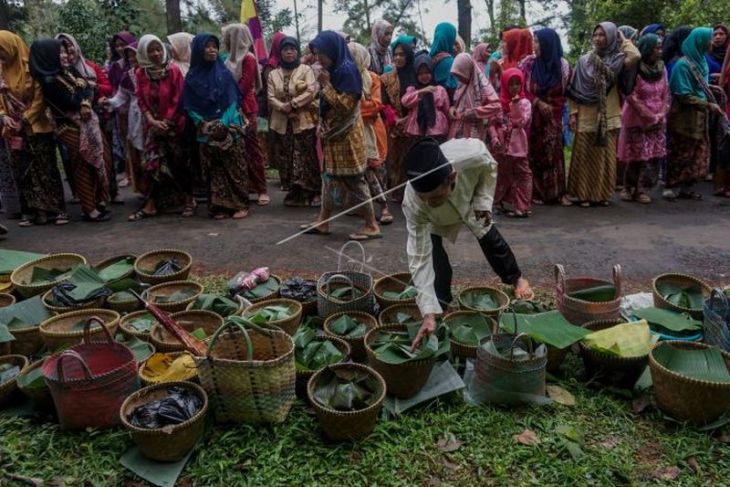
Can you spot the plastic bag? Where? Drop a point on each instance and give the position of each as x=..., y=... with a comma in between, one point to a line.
x=167, y=267
x=244, y=281
x=178, y=407
x=298, y=289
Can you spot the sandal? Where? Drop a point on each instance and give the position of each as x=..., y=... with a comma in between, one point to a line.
x=26, y=222
x=136, y=216
x=313, y=229
x=221, y=216
x=361, y=237
x=643, y=198
x=240, y=214
x=315, y=202
x=263, y=200
x=386, y=219
x=626, y=195
x=189, y=210
x=62, y=219
x=669, y=195
x=517, y=214
x=101, y=217
x=565, y=201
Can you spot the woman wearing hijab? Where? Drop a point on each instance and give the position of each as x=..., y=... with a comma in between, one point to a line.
x=657, y=29
x=70, y=97
x=716, y=55
x=547, y=74
x=118, y=65
x=342, y=136
x=427, y=104
x=211, y=98
x=518, y=44
x=271, y=64
x=293, y=114
x=672, y=47
x=476, y=110
x=642, y=141
x=238, y=42
x=595, y=114
x=688, y=149
x=481, y=56
x=442, y=56
x=166, y=175
x=380, y=37
x=28, y=155
x=116, y=68
x=394, y=86
x=181, y=42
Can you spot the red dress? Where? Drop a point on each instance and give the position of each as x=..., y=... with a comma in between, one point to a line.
x=255, y=156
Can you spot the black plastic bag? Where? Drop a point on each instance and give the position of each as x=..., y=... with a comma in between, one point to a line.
x=178, y=407
x=298, y=289
x=167, y=267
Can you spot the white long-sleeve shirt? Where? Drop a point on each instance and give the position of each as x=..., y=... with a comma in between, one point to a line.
x=476, y=180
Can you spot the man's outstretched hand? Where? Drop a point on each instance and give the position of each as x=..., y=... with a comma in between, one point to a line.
x=427, y=328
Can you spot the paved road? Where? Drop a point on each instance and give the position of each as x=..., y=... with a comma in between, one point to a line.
x=691, y=237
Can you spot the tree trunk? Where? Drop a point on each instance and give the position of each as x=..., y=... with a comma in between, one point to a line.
x=367, y=14
x=296, y=19
x=464, y=15
x=319, y=15
x=523, y=16
x=174, y=21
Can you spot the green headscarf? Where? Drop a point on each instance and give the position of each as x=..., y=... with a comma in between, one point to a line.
x=683, y=81
x=646, y=45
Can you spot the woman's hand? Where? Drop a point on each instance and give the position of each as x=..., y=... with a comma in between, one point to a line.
x=10, y=124
x=427, y=89
x=453, y=114
x=85, y=113
x=286, y=108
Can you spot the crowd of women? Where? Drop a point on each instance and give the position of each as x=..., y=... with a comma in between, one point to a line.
x=179, y=118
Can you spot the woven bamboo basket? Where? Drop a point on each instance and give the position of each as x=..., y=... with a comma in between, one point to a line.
x=347, y=425
x=357, y=344
x=125, y=326
x=164, y=341
x=273, y=295
x=392, y=283
x=167, y=289
x=462, y=350
x=330, y=281
x=501, y=297
x=239, y=311
x=22, y=275
x=388, y=315
x=686, y=399
x=60, y=309
x=27, y=340
x=679, y=280
x=6, y=300
x=146, y=380
x=579, y=311
x=56, y=331
x=289, y=325
x=303, y=376
x=405, y=380
x=171, y=443
x=112, y=260
x=146, y=262
x=555, y=358
x=41, y=396
x=5, y=285
x=620, y=371
x=123, y=306
x=8, y=389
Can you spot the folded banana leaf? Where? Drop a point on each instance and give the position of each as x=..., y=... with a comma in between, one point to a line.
x=525, y=307
x=550, y=328
x=482, y=301
x=264, y=289
x=394, y=347
x=624, y=340
x=127, y=284
x=143, y=323
x=141, y=349
x=667, y=319
x=409, y=292
x=705, y=364
x=312, y=352
x=32, y=380
x=41, y=275
x=216, y=303
x=117, y=270
x=597, y=294
x=348, y=326
x=268, y=314
x=121, y=297
x=408, y=319
x=82, y=286
x=345, y=293
x=5, y=335
x=23, y=314
x=12, y=259
x=469, y=329
x=346, y=389
x=175, y=297
x=199, y=333
x=690, y=297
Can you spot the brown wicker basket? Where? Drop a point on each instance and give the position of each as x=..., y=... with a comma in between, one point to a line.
x=686, y=399
x=112, y=260
x=405, y=380
x=555, y=358
x=56, y=334
x=500, y=296
x=392, y=283
x=128, y=331
x=41, y=397
x=239, y=311
x=347, y=425
x=357, y=344
x=22, y=275
x=8, y=300
x=303, y=376
x=462, y=350
x=388, y=315
x=60, y=309
x=125, y=306
x=679, y=280
x=8, y=389
x=27, y=340
x=148, y=381
x=170, y=443
x=146, y=262
x=289, y=325
x=579, y=311
x=167, y=289
x=164, y=341
x=611, y=369
x=274, y=295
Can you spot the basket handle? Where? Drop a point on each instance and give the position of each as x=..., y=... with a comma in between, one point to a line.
x=243, y=301
x=560, y=278
x=75, y=355
x=339, y=276
x=531, y=350
x=618, y=276
x=342, y=252
x=718, y=302
x=231, y=325
x=87, y=329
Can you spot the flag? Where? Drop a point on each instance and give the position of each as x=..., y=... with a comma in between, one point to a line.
x=249, y=16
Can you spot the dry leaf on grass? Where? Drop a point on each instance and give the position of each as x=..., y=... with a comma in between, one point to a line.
x=694, y=465
x=666, y=473
x=609, y=443
x=560, y=395
x=527, y=437
x=449, y=443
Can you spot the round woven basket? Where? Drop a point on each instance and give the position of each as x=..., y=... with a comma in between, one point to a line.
x=41, y=396
x=22, y=275
x=167, y=289
x=462, y=350
x=171, y=443
x=239, y=311
x=8, y=300
x=123, y=306
x=303, y=376
x=164, y=341
x=56, y=331
x=149, y=381
x=5, y=285
x=289, y=325
x=273, y=295
x=686, y=399
x=125, y=326
x=679, y=280
x=357, y=344
x=8, y=389
x=145, y=264
x=388, y=315
x=579, y=311
x=555, y=358
x=501, y=297
x=404, y=380
x=59, y=309
x=27, y=340
x=392, y=283
x=347, y=425
x=112, y=260
x=611, y=369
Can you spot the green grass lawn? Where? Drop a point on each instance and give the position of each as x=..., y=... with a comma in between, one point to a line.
x=616, y=447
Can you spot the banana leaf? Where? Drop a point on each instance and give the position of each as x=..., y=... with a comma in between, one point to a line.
x=346, y=293
x=199, y=333
x=264, y=289
x=269, y=313
x=312, y=352
x=469, y=329
x=121, y=297
x=596, y=294
x=82, y=286
x=216, y=303
x=624, y=340
x=550, y=328
x=394, y=347
x=348, y=326
x=127, y=284
x=409, y=292
x=705, y=364
x=41, y=275
x=23, y=314
x=32, y=380
x=12, y=259
x=143, y=323
x=525, y=307
x=690, y=297
x=141, y=349
x=175, y=297
x=117, y=270
x=346, y=390
x=670, y=320
x=5, y=335
x=403, y=318
x=482, y=301
x=519, y=353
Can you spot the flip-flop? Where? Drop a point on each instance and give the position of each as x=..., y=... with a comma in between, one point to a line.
x=263, y=200
x=361, y=237
x=386, y=220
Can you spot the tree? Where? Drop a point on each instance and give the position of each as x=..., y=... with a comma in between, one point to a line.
x=272, y=20
x=361, y=13
x=464, y=19
x=12, y=15
x=174, y=20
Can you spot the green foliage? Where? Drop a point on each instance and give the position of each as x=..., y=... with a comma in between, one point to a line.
x=362, y=14
x=12, y=15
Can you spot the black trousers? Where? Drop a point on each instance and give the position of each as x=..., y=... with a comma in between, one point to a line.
x=496, y=250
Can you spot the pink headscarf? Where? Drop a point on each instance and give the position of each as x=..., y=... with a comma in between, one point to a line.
x=274, y=53
x=470, y=95
x=504, y=97
x=481, y=56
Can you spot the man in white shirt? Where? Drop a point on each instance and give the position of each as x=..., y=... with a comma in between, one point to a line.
x=451, y=186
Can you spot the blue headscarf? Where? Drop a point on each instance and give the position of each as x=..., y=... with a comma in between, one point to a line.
x=547, y=70
x=344, y=75
x=444, y=38
x=652, y=29
x=209, y=86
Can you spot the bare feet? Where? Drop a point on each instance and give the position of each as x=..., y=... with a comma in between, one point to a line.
x=240, y=214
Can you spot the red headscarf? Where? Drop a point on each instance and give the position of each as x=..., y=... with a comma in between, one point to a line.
x=275, y=48
x=517, y=45
x=504, y=96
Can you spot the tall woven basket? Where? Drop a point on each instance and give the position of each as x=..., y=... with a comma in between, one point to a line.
x=249, y=375
x=579, y=311
x=717, y=320
x=611, y=369
x=327, y=306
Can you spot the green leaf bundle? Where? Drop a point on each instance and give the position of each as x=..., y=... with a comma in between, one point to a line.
x=469, y=329
x=117, y=270
x=394, y=347
x=595, y=294
x=349, y=327
x=480, y=300
x=409, y=292
x=346, y=389
x=550, y=328
x=670, y=320
x=705, y=364
x=268, y=314
x=690, y=297
x=266, y=288
x=312, y=352
x=216, y=303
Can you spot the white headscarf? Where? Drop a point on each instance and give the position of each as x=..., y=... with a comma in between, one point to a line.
x=237, y=40
x=181, y=43
x=80, y=64
x=362, y=60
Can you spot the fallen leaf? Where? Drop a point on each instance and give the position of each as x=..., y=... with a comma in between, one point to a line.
x=527, y=437
x=448, y=464
x=666, y=474
x=639, y=404
x=694, y=465
x=609, y=443
x=560, y=395
x=449, y=443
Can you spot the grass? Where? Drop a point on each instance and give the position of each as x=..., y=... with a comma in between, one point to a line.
x=617, y=447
